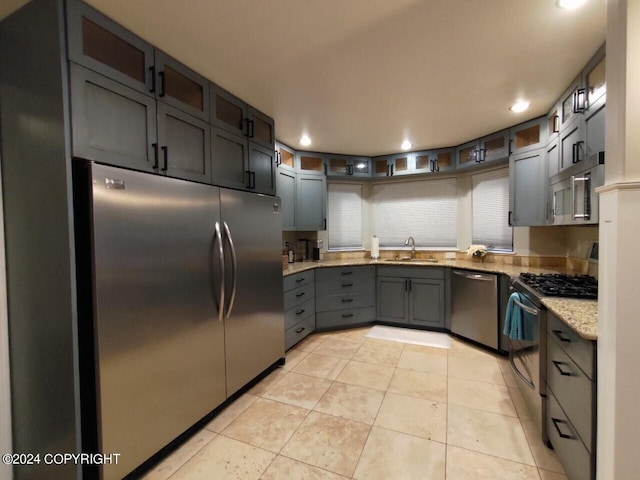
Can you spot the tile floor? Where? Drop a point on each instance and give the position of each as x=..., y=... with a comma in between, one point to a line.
x=345, y=406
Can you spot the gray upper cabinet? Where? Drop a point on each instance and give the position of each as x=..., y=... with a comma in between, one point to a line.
x=348, y=166
x=232, y=114
x=392, y=165
x=553, y=123
x=570, y=145
x=229, y=159
x=468, y=154
x=433, y=161
x=180, y=87
x=262, y=169
x=528, y=136
x=311, y=191
x=572, y=104
x=595, y=82
x=286, y=190
x=105, y=47
x=111, y=122
x=183, y=145
x=553, y=158
x=285, y=157
x=527, y=188
x=494, y=147
x=594, y=131
x=311, y=163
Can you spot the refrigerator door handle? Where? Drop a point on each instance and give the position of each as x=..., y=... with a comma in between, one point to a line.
x=218, y=240
x=234, y=269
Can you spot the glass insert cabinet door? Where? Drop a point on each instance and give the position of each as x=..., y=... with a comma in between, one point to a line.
x=311, y=162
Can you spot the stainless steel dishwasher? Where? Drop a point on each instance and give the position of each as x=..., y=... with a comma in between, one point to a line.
x=474, y=306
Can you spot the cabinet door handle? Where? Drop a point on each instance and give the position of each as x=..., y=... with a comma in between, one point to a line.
x=406, y=285
x=300, y=312
x=347, y=315
x=300, y=280
x=324, y=224
x=410, y=285
x=556, y=124
x=248, y=172
x=251, y=125
x=575, y=151
x=347, y=300
x=155, y=156
x=388, y=169
x=253, y=180
x=349, y=272
x=435, y=165
x=300, y=330
x=246, y=127
x=391, y=170
x=347, y=284
x=300, y=294
x=509, y=221
x=165, y=153
x=556, y=422
x=152, y=71
x=558, y=365
x=162, y=84
x=579, y=100
x=278, y=159
x=558, y=334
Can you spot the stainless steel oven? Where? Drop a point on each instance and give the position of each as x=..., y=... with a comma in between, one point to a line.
x=527, y=356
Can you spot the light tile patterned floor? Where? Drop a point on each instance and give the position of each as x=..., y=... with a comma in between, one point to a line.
x=345, y=406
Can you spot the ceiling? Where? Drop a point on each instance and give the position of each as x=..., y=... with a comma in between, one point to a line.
x=359, y=76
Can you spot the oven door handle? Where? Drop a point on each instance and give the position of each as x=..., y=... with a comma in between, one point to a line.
x=527, y=309
x=528, y=382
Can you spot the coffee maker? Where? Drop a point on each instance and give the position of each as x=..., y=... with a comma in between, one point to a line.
x=311, y=249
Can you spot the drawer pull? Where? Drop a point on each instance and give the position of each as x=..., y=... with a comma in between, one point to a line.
x=558, y=365
x=347, y=300
x=347, y=284
x=300, y=312
x=300, y=330
x=346, y=273
x=558, y=334
x=347, y=315
x=300, y=280
x=557, y=421
x=300, y=294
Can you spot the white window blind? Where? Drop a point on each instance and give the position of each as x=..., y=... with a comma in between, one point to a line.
x=424, y=209
x=490, y=210
x=344, y=219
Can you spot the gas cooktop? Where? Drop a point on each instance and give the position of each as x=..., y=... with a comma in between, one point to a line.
x=559, y=285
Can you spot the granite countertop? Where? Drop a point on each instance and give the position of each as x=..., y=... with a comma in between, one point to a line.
x=579, y=315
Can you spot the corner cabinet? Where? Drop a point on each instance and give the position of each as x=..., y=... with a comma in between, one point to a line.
x=411, y=295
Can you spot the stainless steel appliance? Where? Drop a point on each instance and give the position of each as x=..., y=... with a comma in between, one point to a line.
x=528, y=357
x=182, y=303
x=474, y=306
x=573, y=196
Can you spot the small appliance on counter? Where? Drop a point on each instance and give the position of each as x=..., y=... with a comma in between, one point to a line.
x=316, y=248
x=310, y=249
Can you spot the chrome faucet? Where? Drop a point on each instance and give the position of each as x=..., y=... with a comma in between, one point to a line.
x=413, y=246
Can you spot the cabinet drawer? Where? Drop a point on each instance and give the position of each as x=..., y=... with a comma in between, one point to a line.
x=340, y=274
x=345, y=286
x=412, y=272
x=572, y=388
x=297, y=280
x=572, y=453
x=581, y=351
x=339, y=318
x=297, y=296
x=350, y=300
x=300, y=330
x=298, y=313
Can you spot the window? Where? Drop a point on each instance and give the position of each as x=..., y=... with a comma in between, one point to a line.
x=344, y=219
x=425, y=209
x=490, y=210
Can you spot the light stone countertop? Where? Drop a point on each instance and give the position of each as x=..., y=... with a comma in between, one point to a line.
x=579, y=315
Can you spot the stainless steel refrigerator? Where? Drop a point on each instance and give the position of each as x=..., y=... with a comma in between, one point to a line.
x=186, y=303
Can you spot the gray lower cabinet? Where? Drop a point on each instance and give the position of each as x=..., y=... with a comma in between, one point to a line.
x=299, y=307
x=571, y=399
x=411, y=295
x=345, y=296
x=527, y=188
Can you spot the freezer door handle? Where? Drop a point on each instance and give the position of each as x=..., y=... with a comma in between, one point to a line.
x=220, y=252
x=234, y=269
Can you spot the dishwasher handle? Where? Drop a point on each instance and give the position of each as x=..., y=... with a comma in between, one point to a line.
x=475, y=276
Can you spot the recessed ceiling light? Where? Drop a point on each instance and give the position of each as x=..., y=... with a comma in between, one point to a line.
x=519, y=106
x=406, y=145
x=305, y=140
x=570, y=4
